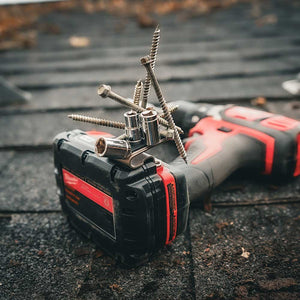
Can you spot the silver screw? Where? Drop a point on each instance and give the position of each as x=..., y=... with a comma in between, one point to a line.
x=105, y=91
x=102, y=122
x=152, y=55
x=137, y=92
x=109, y=123
x=171, y=108
x=147, y=63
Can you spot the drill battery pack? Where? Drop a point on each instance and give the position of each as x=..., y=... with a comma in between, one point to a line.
x=129, y=213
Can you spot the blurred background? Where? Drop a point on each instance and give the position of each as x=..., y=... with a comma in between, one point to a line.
x=54, y=55
x=211, y=50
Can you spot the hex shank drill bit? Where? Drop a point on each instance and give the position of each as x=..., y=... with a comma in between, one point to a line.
x=105, y=91
x=147, y=64
x=152, y=55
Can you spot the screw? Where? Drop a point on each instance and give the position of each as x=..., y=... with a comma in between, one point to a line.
x=105, y=91
x=109, y=123
x=137, y=92
x=147, y=63
x=152, y=55
x=171, y=108
x=102, y=122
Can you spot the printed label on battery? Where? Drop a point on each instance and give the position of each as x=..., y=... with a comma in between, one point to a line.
x=90, y=202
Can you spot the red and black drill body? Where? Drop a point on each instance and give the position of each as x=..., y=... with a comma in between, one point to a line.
x=132, y=213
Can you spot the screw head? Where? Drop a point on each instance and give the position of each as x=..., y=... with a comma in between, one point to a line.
x=104, y=90
x=145, y=60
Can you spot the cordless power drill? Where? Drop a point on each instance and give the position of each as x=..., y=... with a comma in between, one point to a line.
x=130, y=202
x=133, y=212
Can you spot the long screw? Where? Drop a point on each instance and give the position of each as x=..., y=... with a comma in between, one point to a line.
x=171, y=108
x=102, y=122
x=137, y=92
x=147, y=64
x=152, y=55
x=105, y=91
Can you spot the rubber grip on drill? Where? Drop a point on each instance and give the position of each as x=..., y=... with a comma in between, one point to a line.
x=215, y=154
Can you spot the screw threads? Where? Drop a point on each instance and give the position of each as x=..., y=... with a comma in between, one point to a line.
x=102, y=122
x=152, y=55
x=105, y=91
x=171, y=109
x=147, y=63
x=137, y=92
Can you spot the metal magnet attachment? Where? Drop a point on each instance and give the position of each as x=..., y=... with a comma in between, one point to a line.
x=113, y=148
x=132, y=128
x=150, y=127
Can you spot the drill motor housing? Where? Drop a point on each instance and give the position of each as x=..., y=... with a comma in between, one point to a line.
x=132, y=213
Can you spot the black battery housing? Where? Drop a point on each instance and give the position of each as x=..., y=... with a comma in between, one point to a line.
x=137, y=227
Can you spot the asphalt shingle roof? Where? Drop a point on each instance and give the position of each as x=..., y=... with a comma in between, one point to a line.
x=220, y=58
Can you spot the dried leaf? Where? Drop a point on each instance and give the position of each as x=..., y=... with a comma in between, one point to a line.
x=245, y=253
x=98, y=253
x=79, y=41
x=259, y=101
x=145, y=21
x=115, y=287
x=222, y=225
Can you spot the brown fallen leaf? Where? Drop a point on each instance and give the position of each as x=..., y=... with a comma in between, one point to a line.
x=245, y=253
x=79, y=41
x=41, y=253
x=98, y=253
x=259, y=101
x=222, y=225
x=115, y=287
x=145, y=21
